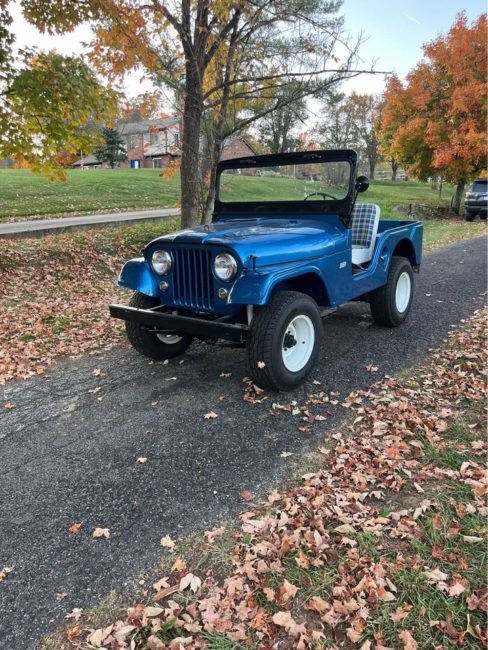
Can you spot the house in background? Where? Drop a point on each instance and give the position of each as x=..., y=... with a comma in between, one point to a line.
x=149, y=144
x=153, y=144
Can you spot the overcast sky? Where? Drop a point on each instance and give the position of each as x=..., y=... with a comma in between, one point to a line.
x=395, y=31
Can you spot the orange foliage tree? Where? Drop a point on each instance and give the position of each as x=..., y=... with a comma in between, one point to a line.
x=435, y=123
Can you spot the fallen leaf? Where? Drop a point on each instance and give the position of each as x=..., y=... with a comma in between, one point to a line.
x=409, y=642
x=470, y=539
x=210, y=415
x=167, y=542
x=142, y=460
x=211, y=535
x=73, y=632
x=456, y=589
x=97, y=637
x=5, y=571
x=9, y=405
x=191, y=581
x=75, y=528
x=345, y=529
x=285, y=454
x=164, y=593
x=151, y=612
x=162, y=583
x=75, y=614
x=101, y=532
x=261, y=364
x=400, y=613
x=247, y=495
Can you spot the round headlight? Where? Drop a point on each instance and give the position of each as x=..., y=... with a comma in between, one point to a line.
x=225, y=266
x=161, y=262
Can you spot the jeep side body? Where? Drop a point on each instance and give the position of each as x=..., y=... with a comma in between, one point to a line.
x=286, y=246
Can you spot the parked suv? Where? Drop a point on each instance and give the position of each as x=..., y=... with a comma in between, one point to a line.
x=476, y=201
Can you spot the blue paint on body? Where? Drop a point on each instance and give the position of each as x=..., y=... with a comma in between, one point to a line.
x=272, y=252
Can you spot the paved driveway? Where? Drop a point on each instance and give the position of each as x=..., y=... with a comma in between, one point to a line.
x=68, y=451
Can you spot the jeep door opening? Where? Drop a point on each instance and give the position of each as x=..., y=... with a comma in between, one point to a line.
x=287, y=243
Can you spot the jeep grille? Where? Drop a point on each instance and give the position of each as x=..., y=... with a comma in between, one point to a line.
x=192, y=277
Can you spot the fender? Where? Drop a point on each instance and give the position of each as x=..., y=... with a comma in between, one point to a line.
x=137, y=275
x=254, y=287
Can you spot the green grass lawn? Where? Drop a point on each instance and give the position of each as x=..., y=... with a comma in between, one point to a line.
x=26, y=195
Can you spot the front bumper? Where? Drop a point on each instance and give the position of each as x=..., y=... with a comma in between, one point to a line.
x=473, y=207
x=164, y=322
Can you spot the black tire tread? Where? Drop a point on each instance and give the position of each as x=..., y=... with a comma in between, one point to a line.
x=379, y=302
x=262, y=333
x=141, y=339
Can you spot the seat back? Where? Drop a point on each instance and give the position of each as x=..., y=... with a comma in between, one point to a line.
x=365, y=219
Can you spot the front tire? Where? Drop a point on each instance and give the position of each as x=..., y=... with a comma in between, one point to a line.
x=284, y=341
x=155, y=345
x=469, y=216
x=391, y=303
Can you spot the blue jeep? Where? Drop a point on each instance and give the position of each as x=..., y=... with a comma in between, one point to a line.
x=287, y=244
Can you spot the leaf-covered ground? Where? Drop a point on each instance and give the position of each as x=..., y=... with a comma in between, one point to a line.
x=55, y=291
x=380, y=544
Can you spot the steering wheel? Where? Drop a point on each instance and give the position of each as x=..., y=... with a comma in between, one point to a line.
x=322, y=194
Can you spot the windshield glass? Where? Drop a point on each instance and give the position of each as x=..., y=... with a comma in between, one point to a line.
x=312, y=181
x=479, y=186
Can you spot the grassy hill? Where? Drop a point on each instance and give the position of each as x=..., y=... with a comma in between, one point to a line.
x=27, y=195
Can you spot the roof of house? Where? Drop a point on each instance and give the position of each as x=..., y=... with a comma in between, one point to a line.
x=87, y=160
x=133, y=128
x=239, y=138
x=159, y=150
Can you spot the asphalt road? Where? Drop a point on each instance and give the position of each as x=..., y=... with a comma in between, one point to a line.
x=69, y=455
x=41, y=227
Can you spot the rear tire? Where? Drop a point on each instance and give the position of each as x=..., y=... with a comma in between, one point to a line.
x=391, y=303
x=284, y=341
x=154, y=345
x=483, y=216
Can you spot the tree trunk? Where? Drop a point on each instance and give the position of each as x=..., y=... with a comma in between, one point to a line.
x=394, y=168
x=190, y=145
x=372, y=166
x=456, y=203
x=210, y=200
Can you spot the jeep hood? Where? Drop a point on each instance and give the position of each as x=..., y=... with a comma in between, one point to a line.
x=267, y=240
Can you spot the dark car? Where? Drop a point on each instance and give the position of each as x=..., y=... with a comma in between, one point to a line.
x=476, y=201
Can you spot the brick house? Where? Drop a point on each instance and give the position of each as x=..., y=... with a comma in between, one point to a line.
x=151, y=143
x=236, y=147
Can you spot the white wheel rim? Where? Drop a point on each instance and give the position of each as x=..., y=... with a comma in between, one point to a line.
x=403, y=291
x=169, y=339
x=296, y=355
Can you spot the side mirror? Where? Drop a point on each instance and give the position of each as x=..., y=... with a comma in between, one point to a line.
x=362, y=183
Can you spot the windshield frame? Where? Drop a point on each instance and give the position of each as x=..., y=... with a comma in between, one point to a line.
x=341, y=207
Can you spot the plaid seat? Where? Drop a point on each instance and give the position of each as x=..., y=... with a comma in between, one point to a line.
x=364, y=225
